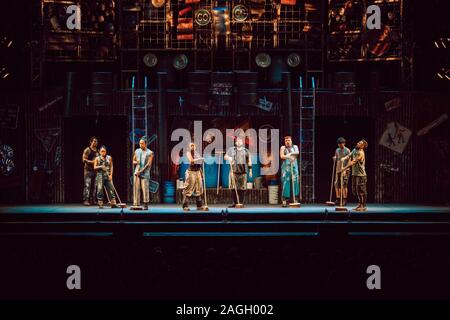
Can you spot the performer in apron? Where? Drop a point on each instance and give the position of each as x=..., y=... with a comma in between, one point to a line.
x=193, y=181
x=104, y=166
x=289, y=169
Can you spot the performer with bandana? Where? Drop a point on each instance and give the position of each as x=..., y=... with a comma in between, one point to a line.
x=89, y=155
x=193, y=181
x=142, y=160
x=240, y=160
x=289, y=170
x=104, y=166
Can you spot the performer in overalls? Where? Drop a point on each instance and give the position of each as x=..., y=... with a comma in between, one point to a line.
x=142, y=160
x=193, y=181
x=289, y=170
x=104, y=166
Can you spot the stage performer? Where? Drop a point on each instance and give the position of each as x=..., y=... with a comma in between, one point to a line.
x=341, y=152
x=193, y=181
x=104, y=166
x=89, y=155
x=359, y=177
x=142, y=160
x=240, y=160
x=289, y=170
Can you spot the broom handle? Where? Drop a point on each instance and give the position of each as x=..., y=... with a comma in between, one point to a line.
x=115, y=191
x=106, y=192
x=204, y=183
x=292, y=182
x=342, y=182
x=235, y=184
x=332, y=179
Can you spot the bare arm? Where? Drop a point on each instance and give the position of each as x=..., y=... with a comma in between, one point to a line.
x=111, y=169
x=148, y=164
x=282, y=155
x=96, y=166
x=85, y=157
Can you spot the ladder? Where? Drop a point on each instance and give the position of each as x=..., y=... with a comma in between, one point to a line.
x=139, y=118
x=307, y=135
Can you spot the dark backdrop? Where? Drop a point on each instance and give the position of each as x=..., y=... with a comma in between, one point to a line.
x=110, y=131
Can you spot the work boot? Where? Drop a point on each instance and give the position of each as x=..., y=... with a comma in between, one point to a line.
x=242, y=196
x=284, y=203
x=199, y=202
x=232, y=205
x=145, y=205
x=100, y=204
x=185, y=204
x=86, y=203
x=113, y=203
x=363, y=203
x=359, y=206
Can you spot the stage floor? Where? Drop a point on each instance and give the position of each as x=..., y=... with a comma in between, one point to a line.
x=318, y=209
x=264, y=220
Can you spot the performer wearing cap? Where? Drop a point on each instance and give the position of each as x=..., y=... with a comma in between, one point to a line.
x=89, y=155
x=104, y=166
x=193, y=181
x=240, y=159
x=142, y=160
x=359, y=177
x=341, y=152
x=289, y=169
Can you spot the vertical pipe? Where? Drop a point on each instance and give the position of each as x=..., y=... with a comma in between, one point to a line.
x=162, y=127
x=286, y=78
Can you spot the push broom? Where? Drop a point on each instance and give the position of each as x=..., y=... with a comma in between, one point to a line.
x=294, y=204
x=331, y=203
x=238, y=204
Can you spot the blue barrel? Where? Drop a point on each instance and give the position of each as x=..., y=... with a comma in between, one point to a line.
x=256, y=168
x=184, y=165
x=224, y=174
x=169, y=192
x=211, y=170
x=169, y=200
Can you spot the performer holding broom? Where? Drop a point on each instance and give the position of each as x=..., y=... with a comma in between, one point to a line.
x=341, y=152
x=239, y=158
x=142, y=159
x=193, y=181
x=359, y=177
x=104, y=166
x=289, y=170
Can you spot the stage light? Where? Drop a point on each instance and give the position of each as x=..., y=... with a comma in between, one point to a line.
x=150, y=60
x=436, y=44
x=263, y=60
x=440, y=75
